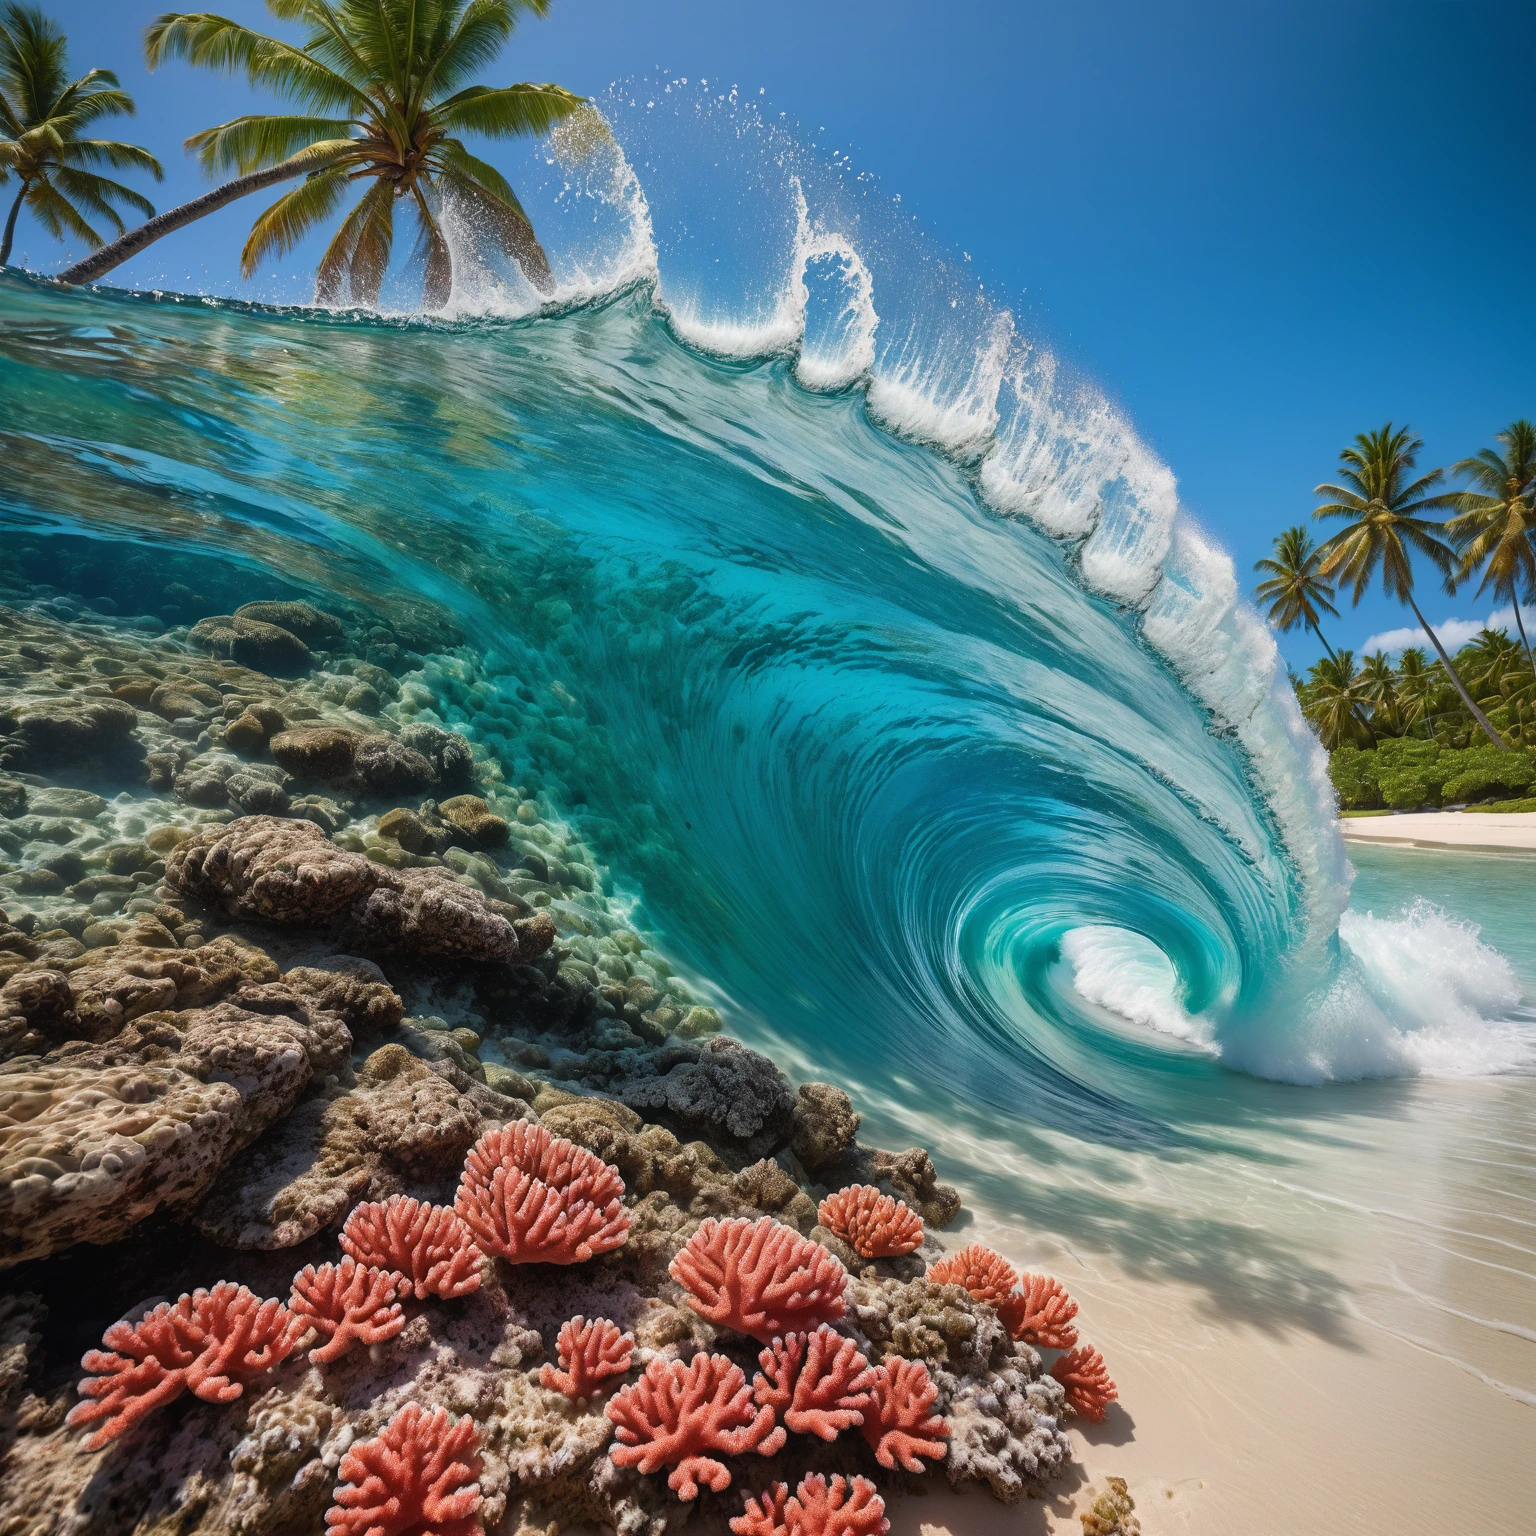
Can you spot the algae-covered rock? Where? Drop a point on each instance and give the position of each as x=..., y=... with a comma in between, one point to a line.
x=472, y=816
x=312, y=625
x=824, y=1124
x=389, y=767
x=64, y=731
x=322, y=752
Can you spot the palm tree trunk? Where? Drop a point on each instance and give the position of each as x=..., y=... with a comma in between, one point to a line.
x=129, y=245
x=1318, y=632
x=1466, y=698
x=10, y=225
x=1530, y=661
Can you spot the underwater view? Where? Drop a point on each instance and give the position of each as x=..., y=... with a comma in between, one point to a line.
x=759, y=638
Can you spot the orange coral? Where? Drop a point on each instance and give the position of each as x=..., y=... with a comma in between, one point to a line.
x=759, y=1277
x=988, y=1276
x=212, y=1343
x=1085, y=1376
x=591, y=1353
x=818, y=1508
x=534, y=1198
x=675, y=1413
x=1040, y=1314
x=817, y=1382
x=415, y=1478
x=428, y=1245
x=897, y=1422
x=873, y=1224
x=347, y=1304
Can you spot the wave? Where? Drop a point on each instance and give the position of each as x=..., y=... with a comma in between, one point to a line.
x=864, y=640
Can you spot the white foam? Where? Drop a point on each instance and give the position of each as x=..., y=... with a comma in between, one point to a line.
x=1130, y=976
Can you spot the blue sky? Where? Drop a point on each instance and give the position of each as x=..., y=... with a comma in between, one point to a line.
x=1261, y=226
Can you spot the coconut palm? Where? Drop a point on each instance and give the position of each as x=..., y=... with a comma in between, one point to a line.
x=1418, y=686
x=1385, y=509
x=1379, y=683
x=1496, y=522
x=1294, y=591
x=382, y=95
x=42, y=116
x=1338, y=703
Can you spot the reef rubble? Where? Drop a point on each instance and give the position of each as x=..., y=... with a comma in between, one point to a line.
x=289, y=968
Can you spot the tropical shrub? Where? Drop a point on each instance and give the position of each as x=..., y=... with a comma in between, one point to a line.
x=1403, y=774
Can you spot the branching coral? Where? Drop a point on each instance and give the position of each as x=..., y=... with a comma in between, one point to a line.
x=897, y=1422
x=1040, y=1314
x=591, y=1353
x=415, y=1478
x=533, y=1198
x=988, y=1276
x=1112, y=1512
x=347, y=1304
x=842, y=1507
x=759, y=1277
x=427, y=1244
x=677, y=1413
x=212, y=1343
x=873, y=1224
x=818, y=1383
x=1085, y=1376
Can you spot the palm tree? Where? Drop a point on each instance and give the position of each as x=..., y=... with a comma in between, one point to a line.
x=1338, y=702
x=1379, y=683
x=381, y=89
x=1385, y=509
x=42, y=115
x=1294, y=592
x=1416, y=686
x=1496, y=525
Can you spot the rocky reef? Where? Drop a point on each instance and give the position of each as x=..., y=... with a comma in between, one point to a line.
x=305, y=995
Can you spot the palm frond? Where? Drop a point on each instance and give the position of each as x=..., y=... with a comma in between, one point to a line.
x=375, y=240
x=57, y=215
x=98, y=193
x=438, y=282
x=525, y=110
x=280, y=227
x=121, y=157
x=481, y=33
x=251, y=143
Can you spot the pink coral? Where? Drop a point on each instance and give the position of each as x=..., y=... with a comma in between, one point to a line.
x=591, y=1353
x=415, y=1478
x=897, y=1422
x=873, y=1224
x=347, y=1304
x=1085, y=1376
x=212, y=1343
x=1040, y=1314
x=818, y=1383
x=759, y=1277
x=534, y=1198
x=988, y=1276
x=676, y=1413
x=842, y=1507
x=427, y=1244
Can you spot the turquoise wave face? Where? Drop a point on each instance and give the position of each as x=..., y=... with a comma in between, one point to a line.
x=866, y=752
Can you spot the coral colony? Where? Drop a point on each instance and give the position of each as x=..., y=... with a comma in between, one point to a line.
x=587, y=1263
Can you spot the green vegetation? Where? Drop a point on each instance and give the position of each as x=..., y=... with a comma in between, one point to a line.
x=382, y=97
x=43, y=115
x=1423, y=731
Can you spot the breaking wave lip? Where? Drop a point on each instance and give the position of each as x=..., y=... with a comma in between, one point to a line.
x=840, y=287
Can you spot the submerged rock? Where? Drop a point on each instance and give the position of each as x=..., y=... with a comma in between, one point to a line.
x=312, y=625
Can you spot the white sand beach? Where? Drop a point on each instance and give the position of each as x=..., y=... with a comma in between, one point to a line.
x=1445, y=829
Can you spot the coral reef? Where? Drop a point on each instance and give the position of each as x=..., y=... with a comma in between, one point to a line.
x=590, y=1354
x=898, y=1420
x=1112, y=1512
x=1086, y=1378
x=1040, y=1313
x=211, y=1343
x=986, y=1275
x=874, y=1225
x=347, y=1304
x=427, y=1246
x=760, y=1278
x=818, y=1383
x=532, y=1198
x=842, y=1507
x=675, y=1414
x=417, y=1476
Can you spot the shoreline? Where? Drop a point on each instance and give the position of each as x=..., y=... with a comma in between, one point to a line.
x=1461, y=831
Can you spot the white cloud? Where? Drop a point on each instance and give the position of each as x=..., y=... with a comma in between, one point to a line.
x=1453, y=633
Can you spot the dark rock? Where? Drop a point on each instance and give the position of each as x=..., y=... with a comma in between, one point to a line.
x=256, y=797
x=263, y=647
x=364, y=698
x=824, y=1125
x=450, y=754
x=244, y=734
x=13, y=798
x=65, y=730
x=389, y=767
x=312, y=625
